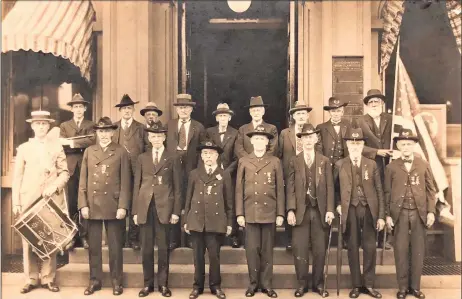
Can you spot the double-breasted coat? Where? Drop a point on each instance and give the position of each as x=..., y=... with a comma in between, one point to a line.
x=228, y=158
x=162, y=181
x=243, y=146
x=260, y=189
x=209, y=201
x=372, y=186
x=297, y=189
x=134, y=142
x=327, y=137
x=104, y=181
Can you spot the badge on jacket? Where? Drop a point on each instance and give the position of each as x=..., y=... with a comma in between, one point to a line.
x=218, y=176
x=159, y=178
x=415, y=180
x=269, y=177
x=103, y=168
x=366, y=175
x=209, y=190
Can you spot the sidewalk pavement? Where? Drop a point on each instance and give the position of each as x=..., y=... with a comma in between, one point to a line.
x=12, y=292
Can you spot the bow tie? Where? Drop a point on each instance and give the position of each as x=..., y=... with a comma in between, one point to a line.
x=336, y=124
x=221, y=133
x=407, y=160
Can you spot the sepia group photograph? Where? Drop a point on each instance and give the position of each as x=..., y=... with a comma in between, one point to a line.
x=231, y=149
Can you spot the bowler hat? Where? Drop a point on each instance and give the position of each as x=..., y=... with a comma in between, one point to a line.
x=126, y=101
x=156, y=129
x=406, y=134
x=300, y=105
x=223, y=108
x=150, y=106
x=334, y=103
x=184, y=99
x=307, y=129
x=355, y=134
x=105, y=123
x=256, y=102
x=77, y=99
x=40, y=115
x=260, y=130
x=209, y=144
x=373, y=93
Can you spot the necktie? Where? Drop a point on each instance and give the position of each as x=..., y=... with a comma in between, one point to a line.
x=407, y=160
x=356, y=162
x=156, y=158
x=308, y=160
x=209, y=172
x=78, y=124
x=182, y=135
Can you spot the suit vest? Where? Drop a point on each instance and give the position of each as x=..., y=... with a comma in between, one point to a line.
x=409, y=201
x=357, y=194
x=310, y=173
x=338, y=147
x=123, y=136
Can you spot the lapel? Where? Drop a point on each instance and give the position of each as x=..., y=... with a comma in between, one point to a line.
x=330, y=128
x=74, y=125
x=226, y=137
x=214, y=135
x=132, y=129
x=318, y=166
x=383, y=124
x=162, y=161
x=292, y=137
x=343, y=128
x=364, y=170
x=347, y=168
x=101, y=155
x=258, y=165
x=116, y=135
x=205, y=177
x=301, y=167
x=192, y=128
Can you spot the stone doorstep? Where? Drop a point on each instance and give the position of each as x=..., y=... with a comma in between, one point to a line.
x=228, y=256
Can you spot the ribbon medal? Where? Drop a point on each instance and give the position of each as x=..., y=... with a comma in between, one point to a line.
x=218, y=176
x=159, y=178
x=417, y=179
x=269, y=176
x=366, y=175
x=209, y=190
x=103, y=168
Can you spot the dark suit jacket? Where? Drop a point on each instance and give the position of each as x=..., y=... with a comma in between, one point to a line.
x=373, y=142
x=296, y=186
x=135, y=142
x=287, y=148
x=104, y=183
x=243, y=146
x=423, y=189
x=195, y=136
x=372, y=185
x=260, y=189
x=327, y=134
x=74, y=155
x=228, y=159
x=209, y=211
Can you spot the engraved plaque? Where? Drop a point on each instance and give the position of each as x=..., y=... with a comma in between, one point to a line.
x=347, y=77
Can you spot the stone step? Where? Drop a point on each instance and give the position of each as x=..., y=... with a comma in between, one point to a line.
x=236, y=276
x=228, y=255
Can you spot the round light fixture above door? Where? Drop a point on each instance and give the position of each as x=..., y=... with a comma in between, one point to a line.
x=239, y=6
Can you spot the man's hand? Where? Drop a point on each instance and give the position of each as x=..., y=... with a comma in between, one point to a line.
x=430, y=219
x=339, y=210
x=384, y=152
x=174, y=219
x=380, y=224
x=241, y=221
x=390, y=223
x=291, y=220
x=49, y=191
x=16, y=210
x=329, y=217
x=186, y=229
x=279, y=220
x=64, y=141
x=85, y=212
x=229, y=230
x=121, y=213
x=135, y=219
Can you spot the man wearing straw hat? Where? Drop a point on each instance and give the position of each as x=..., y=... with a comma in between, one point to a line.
x=410, y=210
x=151, y=114
x=184, y=134
x=40, y=170
x=74, y=148
x=243, y=145
x=290, y=145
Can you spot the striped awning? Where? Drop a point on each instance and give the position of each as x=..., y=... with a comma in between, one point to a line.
x=61, y=28
x=392, y=16
x=455, y=14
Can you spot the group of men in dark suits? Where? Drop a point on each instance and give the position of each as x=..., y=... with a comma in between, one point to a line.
x=178, y=177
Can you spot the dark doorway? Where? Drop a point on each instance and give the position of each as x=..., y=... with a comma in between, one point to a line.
x=233, y=63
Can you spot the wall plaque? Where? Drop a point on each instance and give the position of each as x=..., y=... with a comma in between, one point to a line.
x=347, y=85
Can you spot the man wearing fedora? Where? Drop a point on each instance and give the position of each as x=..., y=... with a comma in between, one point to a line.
x=410, y=210
x=225, y=136
x=260, y=203
x=243, y=145
x=310, y=210
x=156, y=204
x=74, y=148
x=362, y=208
x=130, y=134
x=184, y=134
x=104, y=198
x=40, y=169
x=151, y=114
x=208, y=216
x=376, y=126
x=290, y=145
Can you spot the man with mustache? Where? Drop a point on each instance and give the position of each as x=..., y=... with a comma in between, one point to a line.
x=151, y=115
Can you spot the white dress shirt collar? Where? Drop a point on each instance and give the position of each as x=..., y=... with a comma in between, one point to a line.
x=214, y=167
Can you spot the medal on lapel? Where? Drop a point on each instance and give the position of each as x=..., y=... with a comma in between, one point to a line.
x=412, y=180
x=209, y=190
x=366, y=175
x=103, y=168
x=218, y=176
x=269, y=176
x=320, y=170
x=417, y=179
x=159, y=178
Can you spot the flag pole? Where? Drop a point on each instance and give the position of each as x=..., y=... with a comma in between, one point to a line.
x=398, y=59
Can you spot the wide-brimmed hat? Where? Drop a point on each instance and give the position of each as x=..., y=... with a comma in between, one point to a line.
x=77, y=99
x=256, y=102
x=334, y=103
x=156, y=129
x=151, y=106
x=223, y=108
x=373, y=93
x=184, y=99
x=260, y=130
x=355, y=134
x=406, y=134
x=40, y=115
x=126, y=101
x=298, y=106
x=105, y=123
x=209, y=144
x=307, y=129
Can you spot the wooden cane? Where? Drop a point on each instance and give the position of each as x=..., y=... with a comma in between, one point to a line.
x=326, y=262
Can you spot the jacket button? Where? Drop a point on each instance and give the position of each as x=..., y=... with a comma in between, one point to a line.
x=255, y=202
x=256, y=183
x=195, y=212
x=265, y=203
x=153, y=185
x=198, y=202
x=94, y=191
x=205, y=185
x=105, y=192
x=215, y=193
x=216, y=204
x=106, y=183
x=200, y=192
x=256, y=193
x=256, y=173
x=94, y=183
x=264, y=193
x=216, y=213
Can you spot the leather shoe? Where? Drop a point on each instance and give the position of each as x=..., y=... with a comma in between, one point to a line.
x=300, y=292
x=371, y=292
x=136, y=246
x=219, y=293
x=117, y=290
x=51, y=286
x=165, y=291
x=417, y=294
x=27, y=288
x=93, y=287
x=387, y=245
x=85, y=244
x=250, y=292
x=321, y=292
x=289, y=246
x=270, y=293
x=401, y=294
x=195, y=293
x=145, y=291
x=354, y=293
x=235, y=242
x=172, y=246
